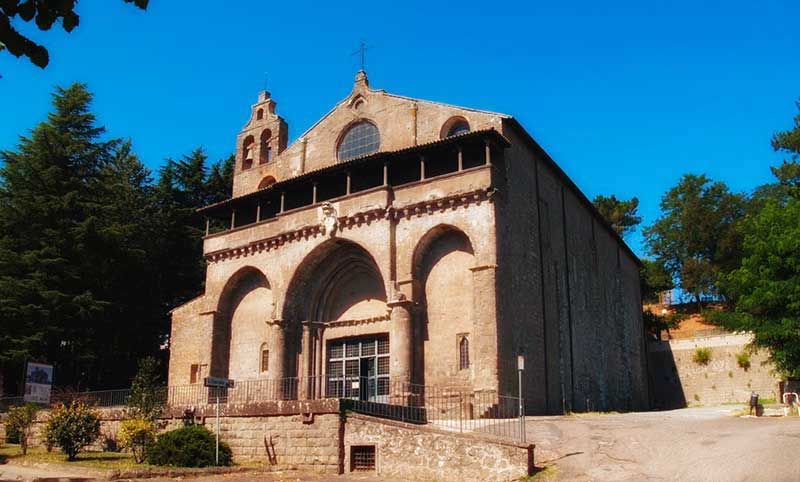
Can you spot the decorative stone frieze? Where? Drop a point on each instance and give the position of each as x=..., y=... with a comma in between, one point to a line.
x=330, y=224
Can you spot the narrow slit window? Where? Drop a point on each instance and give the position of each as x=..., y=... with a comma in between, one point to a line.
x=463, y=353
x=264, y=360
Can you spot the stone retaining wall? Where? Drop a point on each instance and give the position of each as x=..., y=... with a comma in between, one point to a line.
x=678, y=381
x=318, y=437
x=424, y=453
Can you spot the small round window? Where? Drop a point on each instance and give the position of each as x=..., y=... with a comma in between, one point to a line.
x=361, y=138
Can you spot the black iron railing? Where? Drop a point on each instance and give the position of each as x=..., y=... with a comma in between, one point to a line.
x=455, y=409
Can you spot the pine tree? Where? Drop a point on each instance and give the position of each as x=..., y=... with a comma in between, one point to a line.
x=48, y=197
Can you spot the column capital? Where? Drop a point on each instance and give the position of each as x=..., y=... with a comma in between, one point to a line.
x=475, y=269
x=279, y=323
x=400, y=303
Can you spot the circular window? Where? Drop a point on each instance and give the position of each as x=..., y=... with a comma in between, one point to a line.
x=361, y=138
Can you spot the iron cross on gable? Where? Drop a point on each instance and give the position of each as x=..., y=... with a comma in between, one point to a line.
x=362, y=52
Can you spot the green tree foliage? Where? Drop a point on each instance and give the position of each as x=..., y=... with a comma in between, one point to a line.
x=655, y=279
x=93, y=251
x=622, y=215
x=72, y=427
x=20, y=421
x=45, y=14
x=146, y=399
x=192, y=446
x=766, y=287
x=697, y=236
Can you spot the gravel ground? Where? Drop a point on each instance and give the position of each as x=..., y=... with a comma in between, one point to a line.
x=693, y=444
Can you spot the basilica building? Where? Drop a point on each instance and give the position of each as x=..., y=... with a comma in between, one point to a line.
x=404, y=240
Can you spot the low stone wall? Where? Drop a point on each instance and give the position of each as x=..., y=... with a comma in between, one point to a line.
x=318, y=436
x=678, y=381
x=425, y=453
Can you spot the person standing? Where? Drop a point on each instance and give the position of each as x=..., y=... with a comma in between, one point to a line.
x=753, y=403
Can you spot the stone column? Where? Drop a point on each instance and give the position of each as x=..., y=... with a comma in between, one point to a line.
x=306, y=363
x=401, y=341
x=277, y=356
x=483, y=344
x=319, y=383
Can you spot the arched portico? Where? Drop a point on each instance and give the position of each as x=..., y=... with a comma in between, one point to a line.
x=336, y=286
x=444, y=290
x=241, y=330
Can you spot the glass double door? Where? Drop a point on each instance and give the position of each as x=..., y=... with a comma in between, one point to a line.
x=358, y=368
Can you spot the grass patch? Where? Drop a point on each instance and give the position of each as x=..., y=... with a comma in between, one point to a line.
x=702, y=356
x=93, y=460
x=743, y=360
x=542, y=474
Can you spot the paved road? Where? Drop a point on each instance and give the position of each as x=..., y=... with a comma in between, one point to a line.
x=9, y=472
x=694, y=444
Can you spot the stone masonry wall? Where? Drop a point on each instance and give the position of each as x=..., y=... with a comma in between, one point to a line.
x=288, y=437
x=283, y=438
x=679, y=381
x=289, y=441
x=414, y=452
x=569, y=293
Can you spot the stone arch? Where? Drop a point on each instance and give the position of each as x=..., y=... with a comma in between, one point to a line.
x=443, y=289
x=337, y=280
x=248, y=145
x=245, y=306
x=454, y=126
x=267, y=181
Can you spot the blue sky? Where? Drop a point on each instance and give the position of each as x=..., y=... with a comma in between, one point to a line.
x=626, y=96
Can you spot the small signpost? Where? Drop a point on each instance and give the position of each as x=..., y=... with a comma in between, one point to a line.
x=520, y=369
x=38, y=382
x=218, y=383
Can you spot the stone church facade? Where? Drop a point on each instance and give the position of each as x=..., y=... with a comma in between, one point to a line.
x=401, y=240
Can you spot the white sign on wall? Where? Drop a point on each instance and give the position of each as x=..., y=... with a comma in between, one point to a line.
x=38, y=382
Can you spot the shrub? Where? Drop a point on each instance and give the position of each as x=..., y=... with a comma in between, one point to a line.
x=72, y=427
x=146, y=400
x=110, y=442
x=743, y=360
x=20, y=421
x=702, y=356
x=137, y=435
x=12, y=435
x=192, y=446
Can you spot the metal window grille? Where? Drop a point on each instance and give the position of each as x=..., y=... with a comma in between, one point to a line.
x=362, y=458
x=463, y=353
x=361, y=139
x=458, y=128
x=347, y=377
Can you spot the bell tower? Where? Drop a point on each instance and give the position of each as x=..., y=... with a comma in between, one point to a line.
x=258, y=145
